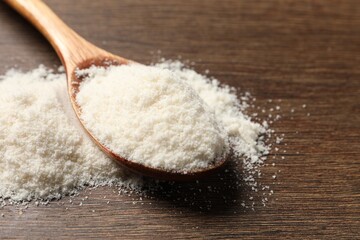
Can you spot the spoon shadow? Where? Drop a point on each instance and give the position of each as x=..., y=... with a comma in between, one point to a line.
x=220, y=193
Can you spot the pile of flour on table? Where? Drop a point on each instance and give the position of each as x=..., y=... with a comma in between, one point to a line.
x=45, y=155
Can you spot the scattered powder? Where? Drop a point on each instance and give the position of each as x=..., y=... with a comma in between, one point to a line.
x=46, y=155
x=223, y=101
x=150, y=116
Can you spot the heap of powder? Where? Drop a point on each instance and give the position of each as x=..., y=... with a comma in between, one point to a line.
x=151, y=116
x=42, y=154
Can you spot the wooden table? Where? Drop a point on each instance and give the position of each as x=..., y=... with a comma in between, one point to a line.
x=299, y=52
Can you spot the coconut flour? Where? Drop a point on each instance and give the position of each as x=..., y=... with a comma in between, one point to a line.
x=167, y=116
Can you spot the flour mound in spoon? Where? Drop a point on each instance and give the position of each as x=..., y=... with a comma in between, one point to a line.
x=150, y=116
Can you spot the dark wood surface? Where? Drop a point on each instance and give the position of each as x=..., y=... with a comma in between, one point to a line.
x=302, y=52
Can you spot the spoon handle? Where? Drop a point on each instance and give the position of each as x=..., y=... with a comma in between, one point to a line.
x=71, y=48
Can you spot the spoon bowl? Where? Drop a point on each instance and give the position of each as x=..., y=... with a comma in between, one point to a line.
x=77, y=53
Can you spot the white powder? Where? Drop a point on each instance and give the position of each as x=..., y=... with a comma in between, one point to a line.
x=150, y=116
x=223, y=101
x=42, y=154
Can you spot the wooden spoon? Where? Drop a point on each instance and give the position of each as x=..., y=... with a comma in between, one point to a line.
x=77, y=53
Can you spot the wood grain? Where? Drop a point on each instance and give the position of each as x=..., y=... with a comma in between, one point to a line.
x=299, y=52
